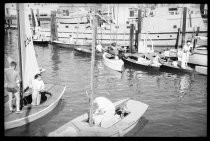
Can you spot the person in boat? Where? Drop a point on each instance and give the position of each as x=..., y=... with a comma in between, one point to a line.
x=12, y=85
x=114, y=50
x=99, y=47
x=156, y=60
x=71, y=39
x=104, y=113
x=38, y=87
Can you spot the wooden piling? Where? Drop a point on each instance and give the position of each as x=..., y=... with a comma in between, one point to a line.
x=195, y=40
x=184, y=25
x=54, y=33
x=139, y=29
x=177, y=39
x=131, y=37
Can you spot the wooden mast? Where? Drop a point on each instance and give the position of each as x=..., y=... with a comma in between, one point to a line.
x=92, y=66
x=20, y=57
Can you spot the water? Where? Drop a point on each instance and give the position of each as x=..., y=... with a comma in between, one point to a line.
x=177, y=102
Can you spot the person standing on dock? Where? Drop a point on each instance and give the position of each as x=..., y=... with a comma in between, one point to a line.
x=12, y=85
x=38, y=87
x=186, y=53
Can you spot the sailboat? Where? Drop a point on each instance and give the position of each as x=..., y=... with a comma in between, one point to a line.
x=83, y=125
x=28, y=68
x=38, y=38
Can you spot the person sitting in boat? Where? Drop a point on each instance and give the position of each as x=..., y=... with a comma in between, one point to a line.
x=156, y=60
x=104, y=113
x=71, y=39
x=12, y=85
x=115, y=50
x=38, y=87
x=99, y=47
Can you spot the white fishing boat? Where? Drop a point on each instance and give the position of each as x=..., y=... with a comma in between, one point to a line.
x=28, y=68
x=127, y=114
x=113, y=63
x=122, y=124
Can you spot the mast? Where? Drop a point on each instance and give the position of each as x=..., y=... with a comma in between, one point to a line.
x=20, y=58
x=92, y=65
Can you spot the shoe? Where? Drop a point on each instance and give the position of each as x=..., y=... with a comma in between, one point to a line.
x=19, y=112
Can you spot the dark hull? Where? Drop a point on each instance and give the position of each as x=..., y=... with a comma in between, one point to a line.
x=41, y=42
x=87, y=52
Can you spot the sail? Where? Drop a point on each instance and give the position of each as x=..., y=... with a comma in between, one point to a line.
x=29, y=62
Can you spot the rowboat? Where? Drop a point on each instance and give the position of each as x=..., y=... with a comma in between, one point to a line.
x=140, y=61
x=121, y=124
x=31, y=113
x=111, y=62
x=64, y=44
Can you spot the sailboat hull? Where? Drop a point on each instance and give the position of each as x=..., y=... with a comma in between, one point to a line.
x=32, y=113
x=80, y=127
x=63, y=44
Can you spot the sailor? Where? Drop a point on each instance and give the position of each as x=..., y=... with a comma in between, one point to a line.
x=12, y=78
x=104, y=113
x=99, y=47
x=38, y=87
x=186, y=50
x=156, y=60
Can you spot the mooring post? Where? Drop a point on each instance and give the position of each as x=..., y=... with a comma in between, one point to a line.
x=131, y=37
x=139, y=29
x=54, y=34
x=195, y=40
x=177, y=39
x=184, y=25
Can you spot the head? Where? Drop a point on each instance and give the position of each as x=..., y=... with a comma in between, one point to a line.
x=13, y=65
x=37, y=76
x=113, y=44
x=188, y=42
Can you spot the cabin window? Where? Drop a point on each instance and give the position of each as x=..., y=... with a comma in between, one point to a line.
x=175, y=26
x=67, y=26
x=131, y=13
x=127, y=22
x=170, y=35
x=158, y=36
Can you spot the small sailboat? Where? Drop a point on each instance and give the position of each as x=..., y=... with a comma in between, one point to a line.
x=38, y=37
x=140, y=61
x=28, y=68
x=110, y=61
x=127, y=115
x=64, y=44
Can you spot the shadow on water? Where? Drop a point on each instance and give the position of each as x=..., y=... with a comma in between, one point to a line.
x=55, y=58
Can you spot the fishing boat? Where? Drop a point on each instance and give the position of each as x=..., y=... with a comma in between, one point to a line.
x=28, y=68
x=128, y=113
x=64, y=44
x=121, y=124
x=110, y=61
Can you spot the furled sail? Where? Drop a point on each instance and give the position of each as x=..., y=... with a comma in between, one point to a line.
x=29, y=62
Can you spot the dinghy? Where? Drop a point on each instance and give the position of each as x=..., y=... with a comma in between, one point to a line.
x=87, y=51
x=110, y=61
x=28, y=69
x=64, y=44
x=122, y=122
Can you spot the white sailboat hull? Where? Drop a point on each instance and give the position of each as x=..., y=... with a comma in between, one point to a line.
x=114, y=64
x=80, y=127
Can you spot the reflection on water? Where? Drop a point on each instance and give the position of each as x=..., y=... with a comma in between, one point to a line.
x=177, y=102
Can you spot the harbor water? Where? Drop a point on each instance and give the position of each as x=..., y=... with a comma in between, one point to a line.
x=177, y=102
